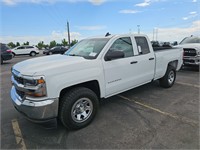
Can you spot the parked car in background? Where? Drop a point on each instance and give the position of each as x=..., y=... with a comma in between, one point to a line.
x=25, y=50
x=191, y=48
x=6, y=52
x=55, y=50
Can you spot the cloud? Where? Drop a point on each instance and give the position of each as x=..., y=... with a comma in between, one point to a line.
x=55, y=35
x=128, y=11
x=92, y=28
x=97, y=2
x=144, y=4
x=15, y=2
x=177, y=34
x=194, y=1
x=192, y=14
x=148, y=3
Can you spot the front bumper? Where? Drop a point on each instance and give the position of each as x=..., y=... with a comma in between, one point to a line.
x=36, y=111
x=6, y=56
x=191, y=60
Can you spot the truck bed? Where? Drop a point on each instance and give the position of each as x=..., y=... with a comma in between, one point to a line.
x=163, y=48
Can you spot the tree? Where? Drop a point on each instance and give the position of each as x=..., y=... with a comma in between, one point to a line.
x=11, y=45
x=27, y=43
x=17, y=44
x=52, y=44
x=73, y=42
x=64, y=42
x=40, y=45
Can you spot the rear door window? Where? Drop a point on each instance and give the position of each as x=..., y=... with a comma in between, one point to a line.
x=142, y=45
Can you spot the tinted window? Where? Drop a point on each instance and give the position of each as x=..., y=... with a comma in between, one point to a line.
x=123, y=44
x=4, y=47
x=142, y=42
x=20, y=47
x=190, y=40
x=29, y=47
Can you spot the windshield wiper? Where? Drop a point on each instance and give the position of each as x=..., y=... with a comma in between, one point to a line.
x=74, y=55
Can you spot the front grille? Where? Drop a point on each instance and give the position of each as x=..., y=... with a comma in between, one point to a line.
x=188, y=61
x=20, y=93
x=18, y=79
x=189, y=52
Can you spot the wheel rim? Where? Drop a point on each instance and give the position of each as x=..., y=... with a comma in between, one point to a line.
x=171, y=77
x=32, y=54
x=82, y=110
x=50, y=53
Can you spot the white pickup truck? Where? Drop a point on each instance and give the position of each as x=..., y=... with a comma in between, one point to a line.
x=69, y=86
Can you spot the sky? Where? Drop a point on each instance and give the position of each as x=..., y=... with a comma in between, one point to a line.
x=46, y=20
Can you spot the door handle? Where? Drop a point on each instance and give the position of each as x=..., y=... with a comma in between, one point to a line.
x=151, y=58
x=133, y=62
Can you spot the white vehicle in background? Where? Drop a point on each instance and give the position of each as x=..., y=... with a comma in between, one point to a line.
x=191, y=48
x=25, y=50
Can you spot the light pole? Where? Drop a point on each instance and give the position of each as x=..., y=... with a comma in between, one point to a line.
x=138, y=29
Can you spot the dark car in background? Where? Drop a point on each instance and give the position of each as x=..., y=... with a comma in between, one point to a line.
x=55, y=50
x=6, y=52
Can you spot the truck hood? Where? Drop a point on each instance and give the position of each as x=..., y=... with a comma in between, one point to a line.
x=191, y=45
x=40, y=65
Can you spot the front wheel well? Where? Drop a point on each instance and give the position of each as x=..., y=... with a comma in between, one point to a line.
x=92, y=85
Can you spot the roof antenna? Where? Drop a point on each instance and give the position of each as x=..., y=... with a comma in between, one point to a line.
x=107, y=34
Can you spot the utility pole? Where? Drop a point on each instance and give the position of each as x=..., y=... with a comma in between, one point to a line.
x=156, y=34
x=153, y=33
x=138, y=29
x=68, y=33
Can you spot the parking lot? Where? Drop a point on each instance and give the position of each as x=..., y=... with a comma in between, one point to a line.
x=147, y=117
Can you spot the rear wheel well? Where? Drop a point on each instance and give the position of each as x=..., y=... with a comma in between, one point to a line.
x=92, y=85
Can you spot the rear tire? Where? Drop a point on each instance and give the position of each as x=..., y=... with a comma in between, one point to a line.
x=169, y=78
x=78, y=108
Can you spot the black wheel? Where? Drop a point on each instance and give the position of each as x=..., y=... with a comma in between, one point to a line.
x=78, y=108
x=32, y=53
x=13, y=54
x=1, y=61
x=169, y=78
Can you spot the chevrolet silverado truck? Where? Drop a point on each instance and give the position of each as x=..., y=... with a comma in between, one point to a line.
x=191, y=48
x=68, y=87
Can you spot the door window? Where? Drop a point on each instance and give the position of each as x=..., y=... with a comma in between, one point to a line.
x=20, y=47
x=123, y=44
x=142, y=45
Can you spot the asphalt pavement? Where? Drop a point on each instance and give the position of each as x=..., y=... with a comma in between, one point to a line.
x=147, y=117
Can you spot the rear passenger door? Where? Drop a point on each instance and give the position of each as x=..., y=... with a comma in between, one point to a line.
x=145, y=60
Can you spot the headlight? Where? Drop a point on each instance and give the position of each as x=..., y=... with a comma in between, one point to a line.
x=35, y=86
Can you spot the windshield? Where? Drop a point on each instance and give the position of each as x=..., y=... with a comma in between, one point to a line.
x=190, y=40
x=88, y=48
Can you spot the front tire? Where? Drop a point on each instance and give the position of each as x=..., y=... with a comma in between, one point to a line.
x=32, y=54
x=169, y=78
x=78, y=108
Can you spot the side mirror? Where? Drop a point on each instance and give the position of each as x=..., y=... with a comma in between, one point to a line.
x=114, y=55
